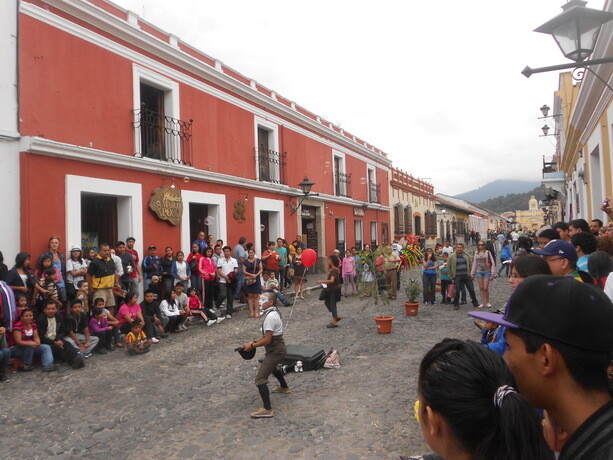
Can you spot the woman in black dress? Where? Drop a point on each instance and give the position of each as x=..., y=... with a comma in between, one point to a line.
x=252, y=268
x=299, y=274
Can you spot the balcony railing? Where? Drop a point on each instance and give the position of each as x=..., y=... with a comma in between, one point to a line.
x=162, y=137
x=271, y=166
x=549, y=165
x=342, y=184
x=374, y=193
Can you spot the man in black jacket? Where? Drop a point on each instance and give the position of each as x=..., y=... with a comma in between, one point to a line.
x=52, y=331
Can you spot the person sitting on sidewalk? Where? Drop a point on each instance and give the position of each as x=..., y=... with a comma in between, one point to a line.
x=194, y=307
x=5, y=353
x=136, y=341
x=150, y=309
x=52, y=331
x=128, y=312
x=27, y=344
x=78, y=330
x=271, y=284
x=99, y=327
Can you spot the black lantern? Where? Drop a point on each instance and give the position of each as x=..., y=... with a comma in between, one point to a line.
x=545, y=129
x=576, y=29
x=306, y=185
x=545, y=110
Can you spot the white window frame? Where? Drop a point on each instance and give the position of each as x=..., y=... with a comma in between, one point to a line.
x=343, y=170
x=375, y=233
x=154, y=79
x=273, y=144
x=374, y=173
x=276, y=225
x=358, y=229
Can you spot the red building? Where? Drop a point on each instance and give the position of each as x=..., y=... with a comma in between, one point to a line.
x=111, y=108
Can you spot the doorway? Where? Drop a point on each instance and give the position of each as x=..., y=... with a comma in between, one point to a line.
x=198, y=220
x=309, y=227
x=264, y=229
x=98, y=221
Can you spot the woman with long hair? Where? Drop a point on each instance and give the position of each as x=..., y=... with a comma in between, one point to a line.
x=600, y=266
x=332, y=290
x=429, y=266
x=299, y=274
x=252, y=268
x=208, y=272
x=193, y=259
x=469, y=408
x=484, y=270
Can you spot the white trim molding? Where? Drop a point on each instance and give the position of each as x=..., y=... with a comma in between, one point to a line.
x=129, y=207
x=268, y=205
x=217, y=210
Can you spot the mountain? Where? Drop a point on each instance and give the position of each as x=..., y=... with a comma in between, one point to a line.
x=498, y=188
x=512, y=201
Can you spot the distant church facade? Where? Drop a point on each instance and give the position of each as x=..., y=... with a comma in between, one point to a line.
x=533, y=218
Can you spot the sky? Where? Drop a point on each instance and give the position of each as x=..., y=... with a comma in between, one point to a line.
x=434, y=84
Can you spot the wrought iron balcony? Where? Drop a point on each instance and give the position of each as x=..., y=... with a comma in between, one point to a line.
x=271, y=165
x=342, y=183
x=374, y=192
x=162, y=137
x=549, y=165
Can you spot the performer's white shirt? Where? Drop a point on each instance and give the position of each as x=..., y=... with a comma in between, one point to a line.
x=272, y=322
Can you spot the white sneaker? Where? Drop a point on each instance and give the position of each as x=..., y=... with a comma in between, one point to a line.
x=211, y=322
x=220, y=319
x=228, y=316
x=154, y=340
x=183, y=327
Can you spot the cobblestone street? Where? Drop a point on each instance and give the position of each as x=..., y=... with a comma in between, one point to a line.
x=192, y=395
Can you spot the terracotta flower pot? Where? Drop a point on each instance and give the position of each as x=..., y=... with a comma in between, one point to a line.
x=411, y=308
x=384, y=324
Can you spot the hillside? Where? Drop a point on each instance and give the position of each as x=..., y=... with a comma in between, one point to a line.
x=497, y=189
x=512, y=201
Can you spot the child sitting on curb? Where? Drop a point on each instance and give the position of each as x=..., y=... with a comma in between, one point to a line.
x=136, y=341
x=194, y=307
x=271, y=284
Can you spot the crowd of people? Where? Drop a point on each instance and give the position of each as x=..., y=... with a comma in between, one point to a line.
x=540, y=383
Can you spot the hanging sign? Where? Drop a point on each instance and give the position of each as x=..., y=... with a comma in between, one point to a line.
x=167, y=204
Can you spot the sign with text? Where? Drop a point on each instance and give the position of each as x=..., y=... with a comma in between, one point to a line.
x=167, y=204
x=358, y=212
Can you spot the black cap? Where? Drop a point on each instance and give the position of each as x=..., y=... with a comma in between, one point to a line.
x=559, y=308
x=246, y=354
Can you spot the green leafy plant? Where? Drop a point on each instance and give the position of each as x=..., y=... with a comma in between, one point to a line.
x=369, y=277
x=413, y=289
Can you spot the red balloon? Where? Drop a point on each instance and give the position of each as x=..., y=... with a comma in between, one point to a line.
x=308, y=257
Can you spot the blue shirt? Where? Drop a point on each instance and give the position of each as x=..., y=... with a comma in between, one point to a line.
x=582, y=263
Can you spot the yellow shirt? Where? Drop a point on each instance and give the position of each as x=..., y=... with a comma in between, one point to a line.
x=131, y=337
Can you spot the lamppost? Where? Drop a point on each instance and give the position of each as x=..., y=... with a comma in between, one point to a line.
x=575, y=30
x=305, y=186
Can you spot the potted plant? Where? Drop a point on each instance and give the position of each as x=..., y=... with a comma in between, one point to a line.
x=413, y=290
x=370, y=285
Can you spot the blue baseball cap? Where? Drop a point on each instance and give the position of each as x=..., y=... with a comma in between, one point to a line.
x=558, y=248
x=559, y=308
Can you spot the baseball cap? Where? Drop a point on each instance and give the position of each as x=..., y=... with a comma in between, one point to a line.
x=152, y=247
x=559, y=308
x=75, y=248
x=558, y=248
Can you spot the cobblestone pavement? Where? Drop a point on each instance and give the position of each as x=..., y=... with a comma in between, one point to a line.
x=191, y=396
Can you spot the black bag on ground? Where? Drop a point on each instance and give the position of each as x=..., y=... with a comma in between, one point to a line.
x=311, y=357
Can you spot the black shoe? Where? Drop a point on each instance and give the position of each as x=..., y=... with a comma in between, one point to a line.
x=26, y=368
x=463, y=302
x=50, y=368
x=456, y=306
x=78, y=362
x=164, y=335
x=102, y=351
x=475, y=304
x=3, y=378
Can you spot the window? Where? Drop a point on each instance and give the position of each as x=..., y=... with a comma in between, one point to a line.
x=385, y=233
x=342, y=180
x=159, y=133
x=373, y=187
x=408, y=219
x=358, y=234
x=340, y=236
x=398, y=219
x=270, y=163
x=418, y=225
x=373, y=235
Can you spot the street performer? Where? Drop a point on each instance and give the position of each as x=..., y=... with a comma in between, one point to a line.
x=272, y=341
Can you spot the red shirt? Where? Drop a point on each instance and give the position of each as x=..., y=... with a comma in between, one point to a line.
x=272, y=263
x=191, y=256
x=134, y=254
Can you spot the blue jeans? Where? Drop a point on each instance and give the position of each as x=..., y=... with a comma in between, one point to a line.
x=196, y=283
x=27, y=354
x=429, y=283
x=241, y=281
x=5, y=357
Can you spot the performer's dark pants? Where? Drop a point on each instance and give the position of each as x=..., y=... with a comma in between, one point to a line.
x=275, y=354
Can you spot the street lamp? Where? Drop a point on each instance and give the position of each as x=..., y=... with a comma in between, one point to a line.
x=305, y=186
x=575, y=30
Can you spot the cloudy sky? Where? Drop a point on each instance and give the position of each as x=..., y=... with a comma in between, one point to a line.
x=436, y=84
